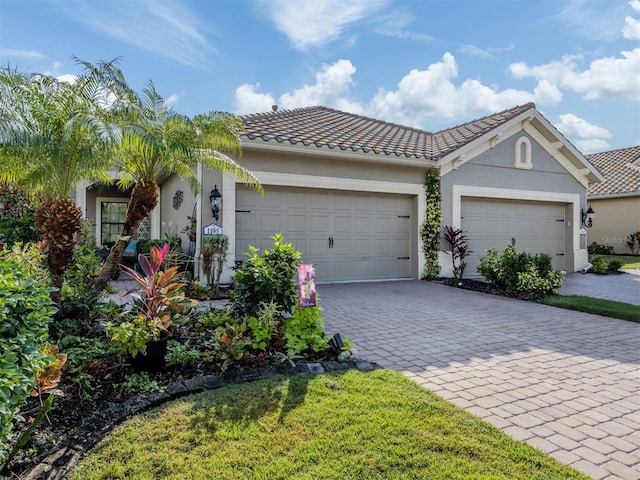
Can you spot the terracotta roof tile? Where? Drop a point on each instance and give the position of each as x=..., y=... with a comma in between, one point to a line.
x=621, y=171
x=336, y=130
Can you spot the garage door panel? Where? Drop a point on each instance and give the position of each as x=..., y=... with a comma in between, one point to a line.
x=317, y=201
x=319, y=223
x=270, y=223
x=297, y=223
x=343, y=224
x=536, y=227
x=368, y=235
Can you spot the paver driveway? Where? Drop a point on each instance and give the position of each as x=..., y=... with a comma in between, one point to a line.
x=566, y=382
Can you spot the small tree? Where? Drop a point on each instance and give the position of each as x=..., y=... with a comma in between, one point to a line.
x=214, y=255
x=633, y=242
x=458, y=250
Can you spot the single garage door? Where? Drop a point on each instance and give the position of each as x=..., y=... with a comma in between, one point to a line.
x=347, y=235
x=533, y=227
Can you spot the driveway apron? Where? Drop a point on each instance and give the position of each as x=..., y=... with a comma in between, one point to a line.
x=565, y=382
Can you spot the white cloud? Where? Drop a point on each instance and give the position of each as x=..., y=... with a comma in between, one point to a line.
x=394, y=24
x=68, y=78
x=609, y=76
x=331, y=88
x=317, y=23
x=248, y=100
x=173, y=99
x=475, y=51
x=168, y=28
x=594, y=20
x=12, y=52
x=434, y=94
x=589, y=138
x=631, y=28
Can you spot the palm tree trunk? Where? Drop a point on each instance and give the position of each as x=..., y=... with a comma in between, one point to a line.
x=144, y=198
x=60, y=221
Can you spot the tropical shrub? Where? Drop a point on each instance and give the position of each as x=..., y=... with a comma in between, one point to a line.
x=18, y=230
x=599, y=264
x=26, y=309
x=79, y=279
x=458, y=249
x=520, y=273
x=231, y=344
x=160, y=302
x=615, y=264
x=633, y=242
x=267, y=277
x=304, y=331
x=597, y=249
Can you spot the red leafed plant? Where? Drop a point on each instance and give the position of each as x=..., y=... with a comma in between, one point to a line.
x=160, y=301
x=458, y=249
x=162, y=295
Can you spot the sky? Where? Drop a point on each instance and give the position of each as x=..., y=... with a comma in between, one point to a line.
x=429, y=64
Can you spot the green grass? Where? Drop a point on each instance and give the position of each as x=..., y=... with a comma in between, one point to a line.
x=628, y=261
x=608, y=308
x=353, y=425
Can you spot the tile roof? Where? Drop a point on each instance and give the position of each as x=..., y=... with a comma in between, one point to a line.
x=621, y=171
x=335, y=130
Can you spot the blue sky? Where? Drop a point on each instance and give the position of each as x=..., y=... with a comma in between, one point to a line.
x=431, y=64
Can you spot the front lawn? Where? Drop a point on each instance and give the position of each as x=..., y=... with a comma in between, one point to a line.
x=599, y=306
x=628, y=261
x=353, y=425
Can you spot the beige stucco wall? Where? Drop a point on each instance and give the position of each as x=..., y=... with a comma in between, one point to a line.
x=547, y=180
x=615, y=218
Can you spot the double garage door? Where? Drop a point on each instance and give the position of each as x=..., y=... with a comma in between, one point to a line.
x=534, y=227
x=347, y=235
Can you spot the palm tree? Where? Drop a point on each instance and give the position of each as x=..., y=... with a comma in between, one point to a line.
x=158, y=142
x=54, y=134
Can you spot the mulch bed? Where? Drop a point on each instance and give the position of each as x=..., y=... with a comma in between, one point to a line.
x=485, y=287
x=83, y=409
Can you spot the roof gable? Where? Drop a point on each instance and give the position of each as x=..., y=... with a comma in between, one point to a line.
x=621, y=171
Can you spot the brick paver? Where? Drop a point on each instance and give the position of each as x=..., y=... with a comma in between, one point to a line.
x=566, y=382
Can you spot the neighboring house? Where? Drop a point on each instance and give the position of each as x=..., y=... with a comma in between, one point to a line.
x=616, y=200
x=348, y=191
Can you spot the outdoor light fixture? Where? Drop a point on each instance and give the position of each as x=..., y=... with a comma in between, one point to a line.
x=588, y=216
x=215, y=196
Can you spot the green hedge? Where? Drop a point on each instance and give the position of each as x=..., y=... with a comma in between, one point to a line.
x=25, y=312
x=520, y=273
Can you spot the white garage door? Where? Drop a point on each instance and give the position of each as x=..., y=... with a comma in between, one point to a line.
x=534, y=227
x=347, y=235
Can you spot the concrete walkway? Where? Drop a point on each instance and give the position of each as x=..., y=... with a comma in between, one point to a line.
x=565, y=382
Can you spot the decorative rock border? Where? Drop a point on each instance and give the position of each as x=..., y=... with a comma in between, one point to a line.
x=57, y=465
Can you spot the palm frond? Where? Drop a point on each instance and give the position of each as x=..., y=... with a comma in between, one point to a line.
x=228, y=166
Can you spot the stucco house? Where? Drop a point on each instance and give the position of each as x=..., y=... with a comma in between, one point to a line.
x=348, y=191
x=616, y=200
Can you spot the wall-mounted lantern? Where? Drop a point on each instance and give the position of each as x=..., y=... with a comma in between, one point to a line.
x=216, y=198
x=588, y=216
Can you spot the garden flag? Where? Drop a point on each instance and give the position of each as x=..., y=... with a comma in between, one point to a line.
x=307, y=283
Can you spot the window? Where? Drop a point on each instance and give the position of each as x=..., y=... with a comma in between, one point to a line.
x=112, y=216
x=523, y=153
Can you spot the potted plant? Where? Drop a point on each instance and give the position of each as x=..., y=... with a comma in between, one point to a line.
x=214, y=254
x=143, y=328
x=191, y=229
